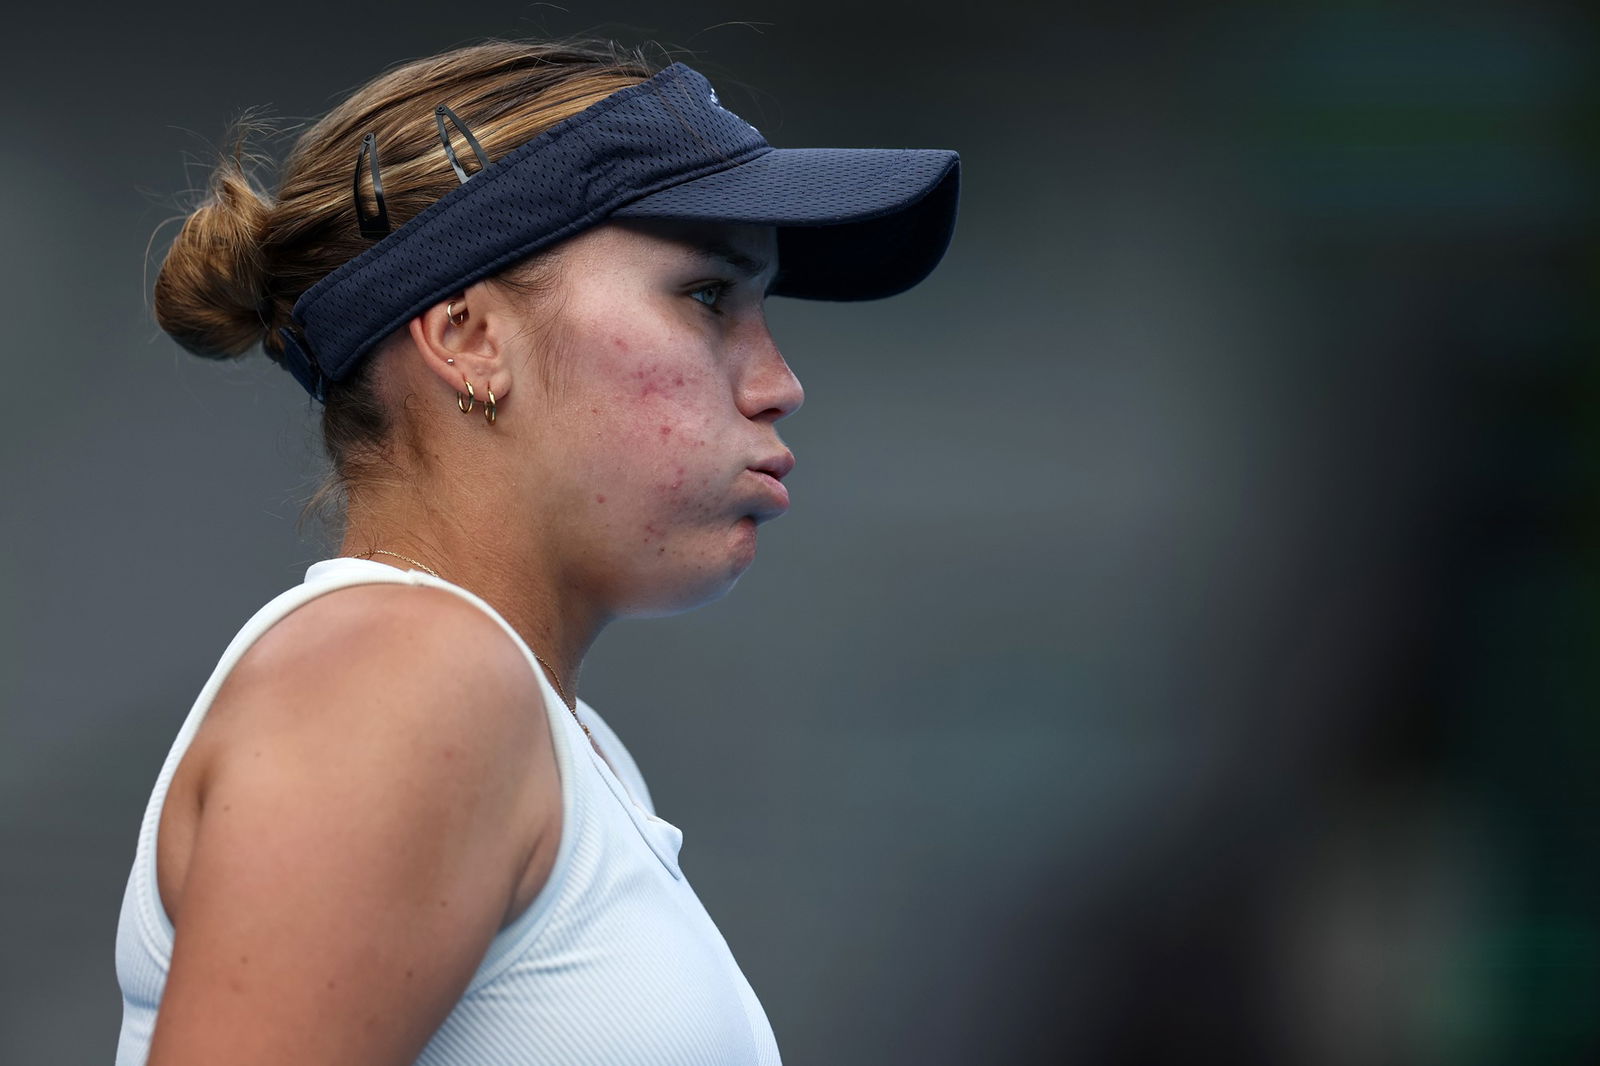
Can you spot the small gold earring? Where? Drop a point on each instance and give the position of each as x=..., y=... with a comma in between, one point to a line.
x=465, y=407
x=452, y=362
x=455, y=316
x=488, y=408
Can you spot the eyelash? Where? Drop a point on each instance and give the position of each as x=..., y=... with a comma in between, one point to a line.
x=721, y=288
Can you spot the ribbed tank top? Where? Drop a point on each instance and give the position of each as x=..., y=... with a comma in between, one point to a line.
x=614, y=963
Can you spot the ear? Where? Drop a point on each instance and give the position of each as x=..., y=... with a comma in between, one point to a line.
x=474, y=338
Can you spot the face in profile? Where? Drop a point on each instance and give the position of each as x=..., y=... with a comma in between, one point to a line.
x=666, y=391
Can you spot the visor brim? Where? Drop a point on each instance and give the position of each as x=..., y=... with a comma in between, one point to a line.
x=853, y=223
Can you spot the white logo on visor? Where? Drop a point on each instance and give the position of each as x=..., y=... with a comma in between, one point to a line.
x=718, y=105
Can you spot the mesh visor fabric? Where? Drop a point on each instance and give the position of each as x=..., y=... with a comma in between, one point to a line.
x=664, y=148
x=853, y=223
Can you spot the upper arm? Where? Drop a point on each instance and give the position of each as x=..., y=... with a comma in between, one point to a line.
x=364, y=821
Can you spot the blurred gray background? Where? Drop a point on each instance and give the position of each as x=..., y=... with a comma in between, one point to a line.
x=1182, y=647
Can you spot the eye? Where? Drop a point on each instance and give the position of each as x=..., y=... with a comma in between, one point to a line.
x=711, y=293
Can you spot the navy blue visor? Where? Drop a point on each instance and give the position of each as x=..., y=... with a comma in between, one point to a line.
x=852, y=223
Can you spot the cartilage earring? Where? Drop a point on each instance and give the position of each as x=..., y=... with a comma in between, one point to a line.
x=470, y=399
x=457, y=317
x=488, y=407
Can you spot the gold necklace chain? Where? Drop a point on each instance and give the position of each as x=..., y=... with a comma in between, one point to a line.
x=555, y=678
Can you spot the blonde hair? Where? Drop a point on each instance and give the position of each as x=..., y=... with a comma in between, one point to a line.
x=242, y=258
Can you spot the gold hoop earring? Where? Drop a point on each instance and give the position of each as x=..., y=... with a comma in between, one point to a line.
x=465, y=407
x=453, y=315
x=488, y=407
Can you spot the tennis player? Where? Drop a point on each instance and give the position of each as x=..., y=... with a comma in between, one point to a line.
x=525, y=283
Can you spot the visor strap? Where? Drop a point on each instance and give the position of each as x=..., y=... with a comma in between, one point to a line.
x=660, y=132
x=301, y=366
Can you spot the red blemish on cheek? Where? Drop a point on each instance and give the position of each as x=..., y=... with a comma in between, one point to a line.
x=649, y=531
x=666, y=431
x=621, y=344
x=654, y=379
x=678, y=484
x=599, y=499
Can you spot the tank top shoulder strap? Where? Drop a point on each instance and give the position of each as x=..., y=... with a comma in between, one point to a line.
x=154, y=925
x=511, y=942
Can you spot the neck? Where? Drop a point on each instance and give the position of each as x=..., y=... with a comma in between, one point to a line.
x=523, y=584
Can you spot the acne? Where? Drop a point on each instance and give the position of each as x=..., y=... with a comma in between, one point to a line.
x=654, y=379
x=650, y=383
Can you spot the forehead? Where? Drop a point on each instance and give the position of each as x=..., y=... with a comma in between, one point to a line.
x=747, y=248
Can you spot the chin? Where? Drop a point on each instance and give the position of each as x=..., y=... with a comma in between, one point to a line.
x=678, y=592
x=682, y=599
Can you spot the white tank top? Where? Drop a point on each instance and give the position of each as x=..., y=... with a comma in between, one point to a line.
x=614, y=963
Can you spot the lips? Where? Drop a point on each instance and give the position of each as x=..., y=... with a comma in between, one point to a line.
x=777, y=466
x=769, y=473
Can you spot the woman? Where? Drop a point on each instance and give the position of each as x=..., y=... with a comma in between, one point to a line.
x=526, y=281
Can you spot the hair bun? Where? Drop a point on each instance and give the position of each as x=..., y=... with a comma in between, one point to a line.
x=209, y=292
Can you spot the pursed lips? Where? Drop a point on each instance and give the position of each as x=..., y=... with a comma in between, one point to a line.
x=770, y=473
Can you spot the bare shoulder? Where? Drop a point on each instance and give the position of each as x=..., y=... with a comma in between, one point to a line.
x=349, y=634
x=386, y=663
x=365, y=817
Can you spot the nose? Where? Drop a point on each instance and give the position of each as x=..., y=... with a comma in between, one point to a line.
x=770, y=391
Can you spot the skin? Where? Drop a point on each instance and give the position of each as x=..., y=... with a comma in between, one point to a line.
x=623, y=491
x=369, y=800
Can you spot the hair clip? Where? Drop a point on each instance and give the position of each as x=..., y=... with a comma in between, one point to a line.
x=375, y=226
x=442, y=112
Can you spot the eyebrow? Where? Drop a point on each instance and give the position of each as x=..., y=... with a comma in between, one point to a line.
x=741, y=261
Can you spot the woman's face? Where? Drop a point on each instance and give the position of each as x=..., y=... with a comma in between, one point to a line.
x=666, y=391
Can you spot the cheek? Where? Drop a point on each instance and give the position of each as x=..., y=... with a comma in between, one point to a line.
x=656, y=428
